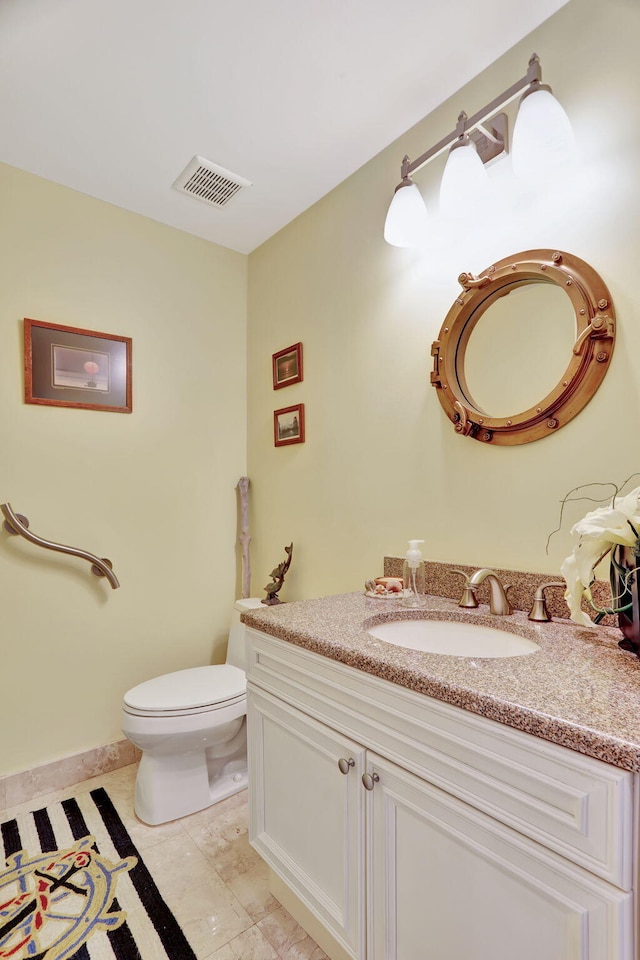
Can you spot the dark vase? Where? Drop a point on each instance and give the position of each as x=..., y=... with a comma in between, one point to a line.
x=624, y=588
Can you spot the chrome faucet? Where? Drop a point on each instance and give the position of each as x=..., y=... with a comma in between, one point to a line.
x=499, y=605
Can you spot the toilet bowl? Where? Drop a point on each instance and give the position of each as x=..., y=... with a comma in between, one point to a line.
x=191, y=728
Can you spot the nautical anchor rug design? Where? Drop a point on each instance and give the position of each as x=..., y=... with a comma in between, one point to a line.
x=74, y=887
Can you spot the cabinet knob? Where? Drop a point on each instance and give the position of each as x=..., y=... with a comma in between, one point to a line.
x=344, y=765
x=369, y=780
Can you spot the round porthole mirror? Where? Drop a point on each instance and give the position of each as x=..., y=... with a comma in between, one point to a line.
x=524, y=347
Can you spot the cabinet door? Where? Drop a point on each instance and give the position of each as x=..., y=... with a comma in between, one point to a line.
x=447, y=882
x=306, y=816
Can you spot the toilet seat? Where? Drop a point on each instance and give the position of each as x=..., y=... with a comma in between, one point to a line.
x=187, y=692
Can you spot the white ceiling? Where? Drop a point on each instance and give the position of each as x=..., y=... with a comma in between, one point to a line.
x=114, y=97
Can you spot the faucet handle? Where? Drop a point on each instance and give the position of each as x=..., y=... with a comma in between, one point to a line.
x=468, y=598
x=539, y=612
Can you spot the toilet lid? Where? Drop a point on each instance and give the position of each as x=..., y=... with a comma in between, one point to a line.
x=188, y=690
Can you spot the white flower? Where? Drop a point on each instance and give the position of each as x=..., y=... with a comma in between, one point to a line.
x=596, y=535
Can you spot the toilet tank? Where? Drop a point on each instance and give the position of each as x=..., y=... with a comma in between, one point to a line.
x=236, y=647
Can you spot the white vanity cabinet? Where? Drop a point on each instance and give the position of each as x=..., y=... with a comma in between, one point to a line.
x=446, y=881
x=466, y=839
x=307, y=818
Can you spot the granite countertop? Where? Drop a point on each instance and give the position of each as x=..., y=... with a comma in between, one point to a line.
x=580, y=690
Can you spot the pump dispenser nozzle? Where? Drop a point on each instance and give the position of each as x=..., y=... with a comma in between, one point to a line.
x=414, y=555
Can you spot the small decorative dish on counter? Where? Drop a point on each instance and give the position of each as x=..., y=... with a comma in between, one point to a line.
x=384, y=588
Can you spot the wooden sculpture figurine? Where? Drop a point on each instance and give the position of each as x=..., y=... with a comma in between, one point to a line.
x=278, y=576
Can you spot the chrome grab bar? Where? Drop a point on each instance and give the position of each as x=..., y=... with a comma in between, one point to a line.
x=16, y=523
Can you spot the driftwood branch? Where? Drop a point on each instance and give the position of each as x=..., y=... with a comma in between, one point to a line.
x=245, y=539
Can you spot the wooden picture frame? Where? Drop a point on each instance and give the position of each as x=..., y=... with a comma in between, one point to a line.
x=71, y=367
x=288, y=425
x=287, y=366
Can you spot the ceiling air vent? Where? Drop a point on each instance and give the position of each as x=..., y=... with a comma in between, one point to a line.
x=209, y=182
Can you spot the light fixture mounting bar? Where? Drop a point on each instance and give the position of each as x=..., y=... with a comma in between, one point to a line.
x=491, y=137
x=533, y=75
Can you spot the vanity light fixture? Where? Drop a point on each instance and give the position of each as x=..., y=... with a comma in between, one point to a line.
x=542, y=138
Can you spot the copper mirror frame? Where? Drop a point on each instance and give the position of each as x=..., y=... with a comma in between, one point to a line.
x=588, y=363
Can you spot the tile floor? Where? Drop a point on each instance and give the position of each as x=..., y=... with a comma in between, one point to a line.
x=209, y=875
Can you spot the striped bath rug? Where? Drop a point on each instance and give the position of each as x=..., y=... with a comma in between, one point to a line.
x=73, y=885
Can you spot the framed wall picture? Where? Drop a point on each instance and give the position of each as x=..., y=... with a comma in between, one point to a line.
x=287, y=366
x=71, y=367
x=288, y=425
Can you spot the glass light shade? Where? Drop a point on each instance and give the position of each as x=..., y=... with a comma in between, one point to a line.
x=407, y=222
x=464, y=181
x=543, y=140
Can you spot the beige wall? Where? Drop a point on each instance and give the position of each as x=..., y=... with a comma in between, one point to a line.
x=381, y=462
x=154, y=491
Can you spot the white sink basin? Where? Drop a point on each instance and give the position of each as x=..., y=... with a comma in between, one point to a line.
x=455, y=638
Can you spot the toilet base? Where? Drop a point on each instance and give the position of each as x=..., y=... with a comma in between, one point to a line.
x=153, y=809
x=155, y=805
x=172, y=786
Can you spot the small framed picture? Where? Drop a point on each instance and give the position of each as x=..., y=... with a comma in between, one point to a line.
x=287, y=366
x=288, y=425
x=71, y=367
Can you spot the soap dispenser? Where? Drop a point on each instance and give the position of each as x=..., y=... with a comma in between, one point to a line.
x=414, y=577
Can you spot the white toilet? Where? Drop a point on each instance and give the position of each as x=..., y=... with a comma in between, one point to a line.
x=191, y=728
